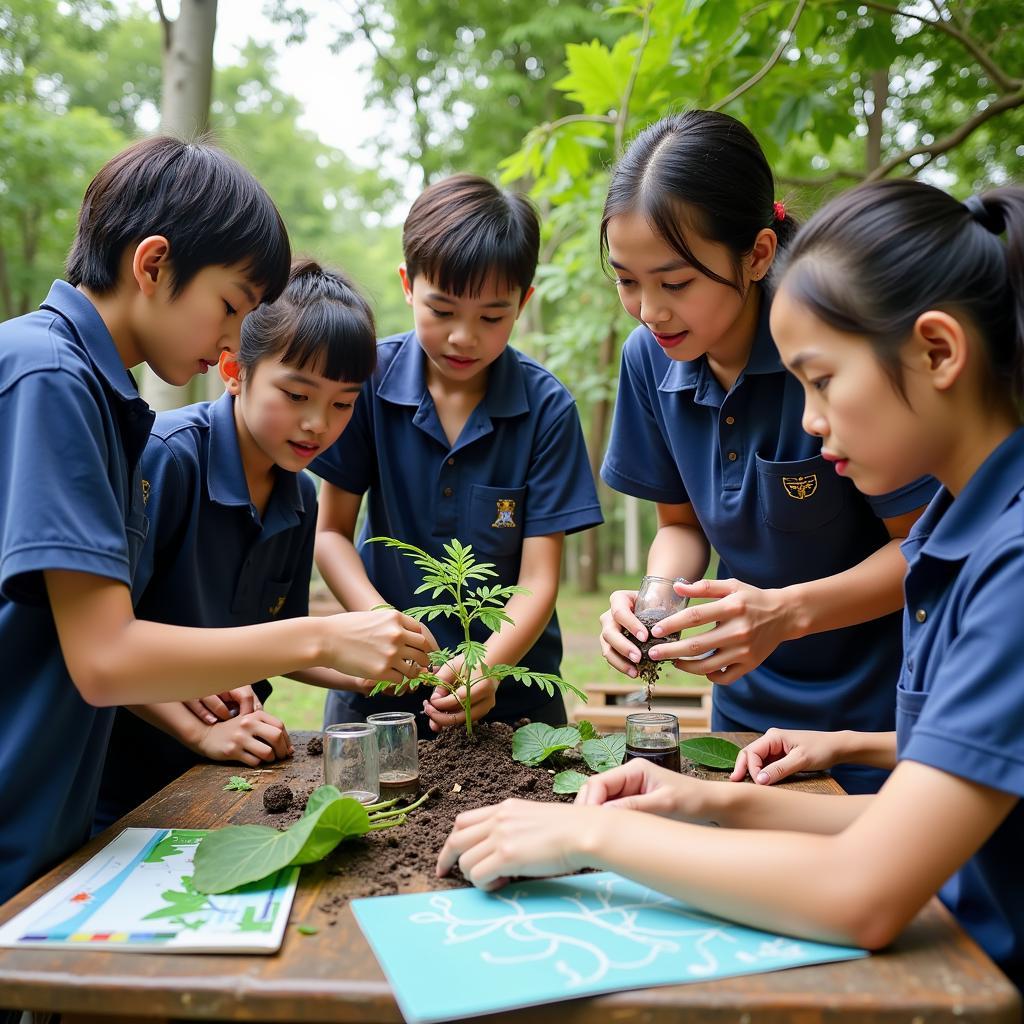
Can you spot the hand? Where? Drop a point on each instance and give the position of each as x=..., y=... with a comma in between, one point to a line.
x=517, y=837
x=638, y=785
x=250, y=738
x=221, y=706
x=618, y=650
x=378, y=645
x=445, y=709
x=780, y=753
x=750, y=624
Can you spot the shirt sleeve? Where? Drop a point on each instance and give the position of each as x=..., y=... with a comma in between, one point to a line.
x=562, y=495
x=58, y=509
x=970, y=723
x=906, y=499
x=351, y=462
x=638, y=461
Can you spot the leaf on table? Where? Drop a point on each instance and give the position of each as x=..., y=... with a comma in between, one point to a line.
x=568, y=782
x=710, y=751
x=238, y=783
x=604, y=752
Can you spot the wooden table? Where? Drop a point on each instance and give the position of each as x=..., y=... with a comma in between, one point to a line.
x=933, y=973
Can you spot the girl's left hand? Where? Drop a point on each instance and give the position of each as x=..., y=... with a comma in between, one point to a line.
x=515, y=838
x=444, y=709
x=219, y=707
x=750, y=624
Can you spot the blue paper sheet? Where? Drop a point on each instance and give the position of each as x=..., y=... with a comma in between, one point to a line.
x=462, y=952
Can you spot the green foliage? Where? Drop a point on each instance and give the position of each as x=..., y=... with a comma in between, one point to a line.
x=306, y=929
x=587, y=730
x=449, y=578
x=710, y=751
x=236, y=782
x=604, y=752
x=568, y=782
x=534, y=743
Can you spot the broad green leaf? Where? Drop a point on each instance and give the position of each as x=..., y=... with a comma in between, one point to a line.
x=604, y=752
x=568, y=782
x=710, y=751
x=238, y=854
x=537, y=741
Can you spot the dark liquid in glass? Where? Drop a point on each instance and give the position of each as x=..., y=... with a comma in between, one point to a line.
x=396, y=785
x=664, y=757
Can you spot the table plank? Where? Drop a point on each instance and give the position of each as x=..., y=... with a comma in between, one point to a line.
x=933, y=974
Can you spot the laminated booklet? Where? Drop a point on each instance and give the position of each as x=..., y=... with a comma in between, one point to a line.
x=136, y=894
x=539, y=942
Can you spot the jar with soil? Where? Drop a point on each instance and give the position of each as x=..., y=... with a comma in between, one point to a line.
x=654, y=736
x=655, y=600
x=398, y=759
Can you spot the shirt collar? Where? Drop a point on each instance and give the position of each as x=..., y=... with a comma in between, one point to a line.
x=764, y=358
x=88, y=326
x=951, y=529
x=404, y=382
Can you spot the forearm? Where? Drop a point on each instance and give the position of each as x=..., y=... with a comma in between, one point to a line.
x=866, y=591
x=678, y=550
x=174, y=719
x=343, y=571
x=761, y=807
x=876, y=749
x=531, y=613
x=327, y=679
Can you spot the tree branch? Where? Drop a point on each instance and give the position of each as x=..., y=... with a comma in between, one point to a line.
x=627, y=93
x=953, y=139
x=165, y=23
x=787, y=38
x=839, y=174
x=577, y=118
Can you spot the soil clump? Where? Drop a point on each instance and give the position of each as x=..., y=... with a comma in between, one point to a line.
x=648, y=671
x=277, y=798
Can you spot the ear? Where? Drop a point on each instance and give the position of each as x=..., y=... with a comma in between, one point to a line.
x=230, y=372
x=941, y=347
x=525, y=300
x=762, y=254
x=151, y=259
x=406, y=283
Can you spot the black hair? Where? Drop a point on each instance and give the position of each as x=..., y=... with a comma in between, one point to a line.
x=462, y=229
x=872, y=260
x=320, y=322
x=701, y=170
x=208, y=206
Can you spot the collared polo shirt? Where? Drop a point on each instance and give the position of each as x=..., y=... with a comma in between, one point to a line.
x=518, y=469
x=960, y=701
x=73, y=428
x=774, y=510
x=210, y=560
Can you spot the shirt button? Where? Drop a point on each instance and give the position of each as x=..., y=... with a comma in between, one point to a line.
x=733, y=456
x=920, y=615
x=451, y=462
x=447, y=492
x=730, y=420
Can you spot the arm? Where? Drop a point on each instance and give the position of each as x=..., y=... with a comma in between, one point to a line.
x=679, y=549
x=538, y=572
x=330, y=679
x=781, y=752
x=832, y=888
x=751, y=622
x=115, y=658
x=336, y=556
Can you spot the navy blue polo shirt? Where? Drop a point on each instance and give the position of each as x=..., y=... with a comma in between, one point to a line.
x=960, y=701
x=210, y=560
x=73, y=428
x=774, y=510
x=518, y=469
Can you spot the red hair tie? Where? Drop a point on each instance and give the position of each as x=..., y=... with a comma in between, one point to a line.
x=780, y=211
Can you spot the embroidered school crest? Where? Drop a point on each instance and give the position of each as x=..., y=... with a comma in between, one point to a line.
x=800, y=487
x=506, y=506
x=276, y=606
x=145, y=492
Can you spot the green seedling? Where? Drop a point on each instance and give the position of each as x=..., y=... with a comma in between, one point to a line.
x=236, y=782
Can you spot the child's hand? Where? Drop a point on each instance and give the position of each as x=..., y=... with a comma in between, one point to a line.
x=638, y=785
x=221, y=706
x=618, y=650
x=780, y=753
x=383, y=644
x=248, y=738
x=444, y=709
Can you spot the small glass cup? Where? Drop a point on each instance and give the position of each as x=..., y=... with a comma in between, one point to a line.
x=398, y=754
x=654, y=736
x=350, y=760
x=655, y=600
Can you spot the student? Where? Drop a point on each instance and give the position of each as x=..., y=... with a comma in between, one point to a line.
x=459, y=435
x=902, y=315
x=225, y=494
x=175, y=244
x=707, y=426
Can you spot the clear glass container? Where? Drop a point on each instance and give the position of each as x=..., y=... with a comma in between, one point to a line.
x=398, y=754
x=350, y=760
x=654, y=736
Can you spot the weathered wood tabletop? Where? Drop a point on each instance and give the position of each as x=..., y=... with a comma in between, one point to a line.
x=933, y=973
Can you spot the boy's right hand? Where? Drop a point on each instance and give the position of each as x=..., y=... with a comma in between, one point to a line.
x=618, y=650
x=780, y=753
x=378, y=645
x=251, y=739
x=638, y=785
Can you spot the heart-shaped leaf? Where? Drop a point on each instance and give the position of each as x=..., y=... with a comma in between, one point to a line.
x=710, y=751
x=534, y=742
x=568, y=782
x=233, y=856
x=604, y=752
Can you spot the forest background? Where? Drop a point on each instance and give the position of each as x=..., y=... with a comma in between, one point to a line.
x=539, y=94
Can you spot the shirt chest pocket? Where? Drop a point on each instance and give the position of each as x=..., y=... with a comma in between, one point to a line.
x=496, y=516
x=799, y=496
x=272, y=599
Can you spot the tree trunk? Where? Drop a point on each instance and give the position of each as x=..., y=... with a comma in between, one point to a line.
x=879, y=99
x=184, y=112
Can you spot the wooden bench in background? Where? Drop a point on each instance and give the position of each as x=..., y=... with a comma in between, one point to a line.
x=606, y=705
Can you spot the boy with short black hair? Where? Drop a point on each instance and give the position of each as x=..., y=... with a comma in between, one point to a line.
x=176, y=243
x=459, y=435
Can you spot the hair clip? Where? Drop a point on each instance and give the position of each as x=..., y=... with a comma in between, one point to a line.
x=779, y=209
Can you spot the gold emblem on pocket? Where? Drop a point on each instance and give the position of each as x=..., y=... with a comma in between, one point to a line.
x=506, y=506
x=145, y=492
x=800, y=487
x=276, y=606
